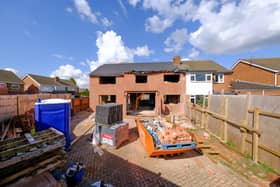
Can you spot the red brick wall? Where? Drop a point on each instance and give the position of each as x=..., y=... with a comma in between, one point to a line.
x=250, y=73
x=30, y=86
x=126, y=83
x=218, y=87
x=278, y=79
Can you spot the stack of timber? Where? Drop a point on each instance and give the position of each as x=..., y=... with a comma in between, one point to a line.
x=31, y=155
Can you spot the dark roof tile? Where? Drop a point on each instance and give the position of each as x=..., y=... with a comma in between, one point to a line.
x=9, y=77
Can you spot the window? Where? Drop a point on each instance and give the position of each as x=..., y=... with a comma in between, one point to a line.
x=141, y=78
x=107, y=99
x=15, y=87
x=219, y=78
x=171, y=78
x=175, y=99
x=193, y=99
x=107, y=80
x=200, y=77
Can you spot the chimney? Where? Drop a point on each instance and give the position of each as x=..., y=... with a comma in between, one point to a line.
x=56, y=79
x=176, y=60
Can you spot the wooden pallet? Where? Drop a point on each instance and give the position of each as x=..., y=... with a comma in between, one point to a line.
x=21, y=158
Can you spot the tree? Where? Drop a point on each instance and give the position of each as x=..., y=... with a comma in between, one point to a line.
x=73, y=81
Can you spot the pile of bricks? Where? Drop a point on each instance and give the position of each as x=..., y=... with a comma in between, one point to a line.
x=174, y=135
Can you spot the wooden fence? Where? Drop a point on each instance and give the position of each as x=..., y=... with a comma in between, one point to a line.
x=12, y=105
x=80, y=104
x=251, y=124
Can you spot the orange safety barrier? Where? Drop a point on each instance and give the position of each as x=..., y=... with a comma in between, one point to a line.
x=147, y=141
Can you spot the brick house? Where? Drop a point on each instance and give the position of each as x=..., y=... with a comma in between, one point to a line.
x=155, y=87
x=10, y=83
x=204, y=77
x=42, y=84
x=256, y=76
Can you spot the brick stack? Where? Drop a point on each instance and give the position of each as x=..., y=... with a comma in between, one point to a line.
x=110, y=128
x=174, y=135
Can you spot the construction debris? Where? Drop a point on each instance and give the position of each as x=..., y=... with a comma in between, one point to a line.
x=20, y=158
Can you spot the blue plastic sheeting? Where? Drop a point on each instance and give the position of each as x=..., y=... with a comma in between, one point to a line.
x=54, y=113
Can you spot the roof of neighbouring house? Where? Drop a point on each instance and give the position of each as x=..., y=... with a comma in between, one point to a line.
x=245, y=85
x=9, y=77
x=42, y=80
x=202, y=65
x=266, y=63
x=117, y=69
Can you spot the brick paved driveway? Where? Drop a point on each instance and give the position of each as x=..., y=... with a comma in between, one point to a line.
x=130, y=166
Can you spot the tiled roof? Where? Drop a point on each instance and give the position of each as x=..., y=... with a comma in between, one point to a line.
x=202, y=65
x=245, y=85
x=9, y=77
x=271, y=63
x=51, y=81
x=117, y=69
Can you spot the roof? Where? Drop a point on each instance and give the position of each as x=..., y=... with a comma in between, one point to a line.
x=121, y=68
x=9, y=77
x=272, y=64
x=202, y=65
x=245, y=85
x=42, y=80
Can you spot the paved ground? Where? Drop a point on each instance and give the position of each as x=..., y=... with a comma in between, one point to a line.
x=130, y=166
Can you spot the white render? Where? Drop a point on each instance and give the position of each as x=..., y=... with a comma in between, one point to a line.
x=197, y=87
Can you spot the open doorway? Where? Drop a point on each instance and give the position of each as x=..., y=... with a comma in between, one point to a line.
x=141, y=103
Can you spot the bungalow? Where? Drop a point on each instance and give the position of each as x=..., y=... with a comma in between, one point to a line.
x=42, y=84
x=10, y=83
x=256, y=76
x=158, y=87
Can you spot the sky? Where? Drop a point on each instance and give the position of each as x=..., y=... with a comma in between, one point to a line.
x=70, y=38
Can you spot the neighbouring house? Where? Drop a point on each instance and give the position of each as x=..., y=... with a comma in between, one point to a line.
x=204, y=77
x=42, y=84
x=256, y=76
x=142, y=88
x=10, y=83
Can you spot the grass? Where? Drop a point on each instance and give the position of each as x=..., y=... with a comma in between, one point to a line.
x=267, y=168
x=230, y=143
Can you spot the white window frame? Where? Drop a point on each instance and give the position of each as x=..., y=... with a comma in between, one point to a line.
x=205, y=74
x=15, y=87
x=220, y=79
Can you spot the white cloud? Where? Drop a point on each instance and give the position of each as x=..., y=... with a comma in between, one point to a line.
x=111, y=49
x=133, y=2
x=85, y=11
x=157, y=25
x=167, y=12
x=176, y=41
x=12, y=70
x=106, y=22
x=67, y=71
x=143, y=51
x=193, y=54
x=62, y=57
x=233, y=27
x=68, y=9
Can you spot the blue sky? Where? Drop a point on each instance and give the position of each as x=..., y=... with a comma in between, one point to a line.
x=71, y=38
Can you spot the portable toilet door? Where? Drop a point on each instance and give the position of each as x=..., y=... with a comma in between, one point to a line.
x=54, y=113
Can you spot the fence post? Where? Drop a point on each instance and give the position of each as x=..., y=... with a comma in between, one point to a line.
x=203, y=113
x=255, y=135
x=207, y=115
x=221, y=123
x=225, y=134
x=245, y=123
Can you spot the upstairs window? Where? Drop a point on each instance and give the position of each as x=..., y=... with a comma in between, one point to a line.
x=171, y=78
x=107, y=80
x=141, y=79
x=219, y=78
x=201, y=77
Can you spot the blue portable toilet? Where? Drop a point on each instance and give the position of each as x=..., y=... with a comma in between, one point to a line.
x=54, y=113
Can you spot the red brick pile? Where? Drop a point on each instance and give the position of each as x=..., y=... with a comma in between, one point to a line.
x=174, y=135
